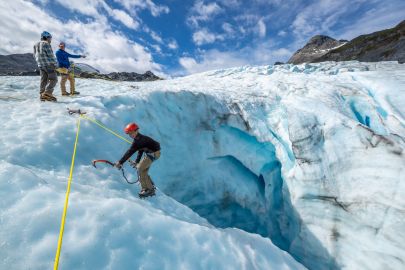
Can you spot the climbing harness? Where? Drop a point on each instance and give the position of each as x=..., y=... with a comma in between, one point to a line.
x=112, y=164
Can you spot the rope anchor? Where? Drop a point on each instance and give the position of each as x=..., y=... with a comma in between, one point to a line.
x=72, y=111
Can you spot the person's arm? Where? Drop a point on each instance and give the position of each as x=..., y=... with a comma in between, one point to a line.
x=73, y=55
x=128, y=154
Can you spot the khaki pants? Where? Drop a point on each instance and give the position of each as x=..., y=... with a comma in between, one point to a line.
x=48, y=75
x=71, y=79
x=143, y=170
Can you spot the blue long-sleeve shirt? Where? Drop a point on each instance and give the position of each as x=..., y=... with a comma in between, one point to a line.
x=63, y=58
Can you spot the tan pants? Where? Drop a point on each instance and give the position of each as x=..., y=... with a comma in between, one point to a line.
x=71, y=79
x=143, y=170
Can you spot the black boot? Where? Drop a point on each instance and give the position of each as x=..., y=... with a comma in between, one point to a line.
x=146, y=193
x=48, y=97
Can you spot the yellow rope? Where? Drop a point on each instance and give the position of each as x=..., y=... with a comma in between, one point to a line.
x=104, y=127
x=62, y=225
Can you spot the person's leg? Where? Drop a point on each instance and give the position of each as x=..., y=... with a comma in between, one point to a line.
x=44, y=80
x=72, y=84
x=53, y=79
x=143, y=170
x=156, y=156
x=63, y=84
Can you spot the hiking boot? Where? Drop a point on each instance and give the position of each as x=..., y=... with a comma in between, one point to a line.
x=65, y=94
x=74, y=93
x=48, y=97
x=146, y=193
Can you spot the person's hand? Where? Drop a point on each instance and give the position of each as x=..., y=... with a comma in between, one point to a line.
x=118, y=165
x=83, y=56
x=133, y=164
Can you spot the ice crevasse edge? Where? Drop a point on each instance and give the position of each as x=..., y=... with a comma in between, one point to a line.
x=310, y=156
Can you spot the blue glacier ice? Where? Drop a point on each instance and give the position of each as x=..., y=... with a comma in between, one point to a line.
x=262, y=167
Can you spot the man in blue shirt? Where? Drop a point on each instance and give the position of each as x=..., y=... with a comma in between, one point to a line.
x=63, y=68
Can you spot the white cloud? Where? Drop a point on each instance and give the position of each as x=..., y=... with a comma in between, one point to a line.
x=251, y=24
x=230, y=3
x=389, y=14
x=157, y=48
x=215, y=59
x=203, y=12
x=319, y=16
x=328, y=16
x=203, y=36
x=261, y=28
x=156, y=37
x=124, y=18
x=85, y=7
x=188, y=63
x=281, y=54
x=282, y=33
x=133, y=5
x=228, y=28
x=212, y=59
x=107, y=50
x=92, y=8
x=173, y=44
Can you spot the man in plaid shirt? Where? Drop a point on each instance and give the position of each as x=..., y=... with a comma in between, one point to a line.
x=47, y=64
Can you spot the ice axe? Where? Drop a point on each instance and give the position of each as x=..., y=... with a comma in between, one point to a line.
x=112, y=164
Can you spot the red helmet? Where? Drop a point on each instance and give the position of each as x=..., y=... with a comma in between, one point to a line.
x=131, y=127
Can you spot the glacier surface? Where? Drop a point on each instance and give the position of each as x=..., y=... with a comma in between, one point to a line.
x=256, y=162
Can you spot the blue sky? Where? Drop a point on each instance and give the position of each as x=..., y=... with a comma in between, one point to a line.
x=175, y=37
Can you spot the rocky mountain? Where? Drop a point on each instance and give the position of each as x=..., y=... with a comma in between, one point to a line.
x=385, y=45
x=18, y=65
x=316, y=47
x=25, y=65
x=120, y=76
x=81, y=67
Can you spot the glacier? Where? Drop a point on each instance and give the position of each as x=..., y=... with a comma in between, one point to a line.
x=262, y=167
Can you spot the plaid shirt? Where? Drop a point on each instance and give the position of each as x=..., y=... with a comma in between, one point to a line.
x=44, y=55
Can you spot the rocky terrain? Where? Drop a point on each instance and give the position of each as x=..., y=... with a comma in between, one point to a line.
x=18, y=65
x=316, y=47
x=119, y=76
x=385, y=45
x=25, y=65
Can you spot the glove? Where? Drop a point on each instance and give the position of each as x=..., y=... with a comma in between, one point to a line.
x=83, y=56
x=118, y=165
